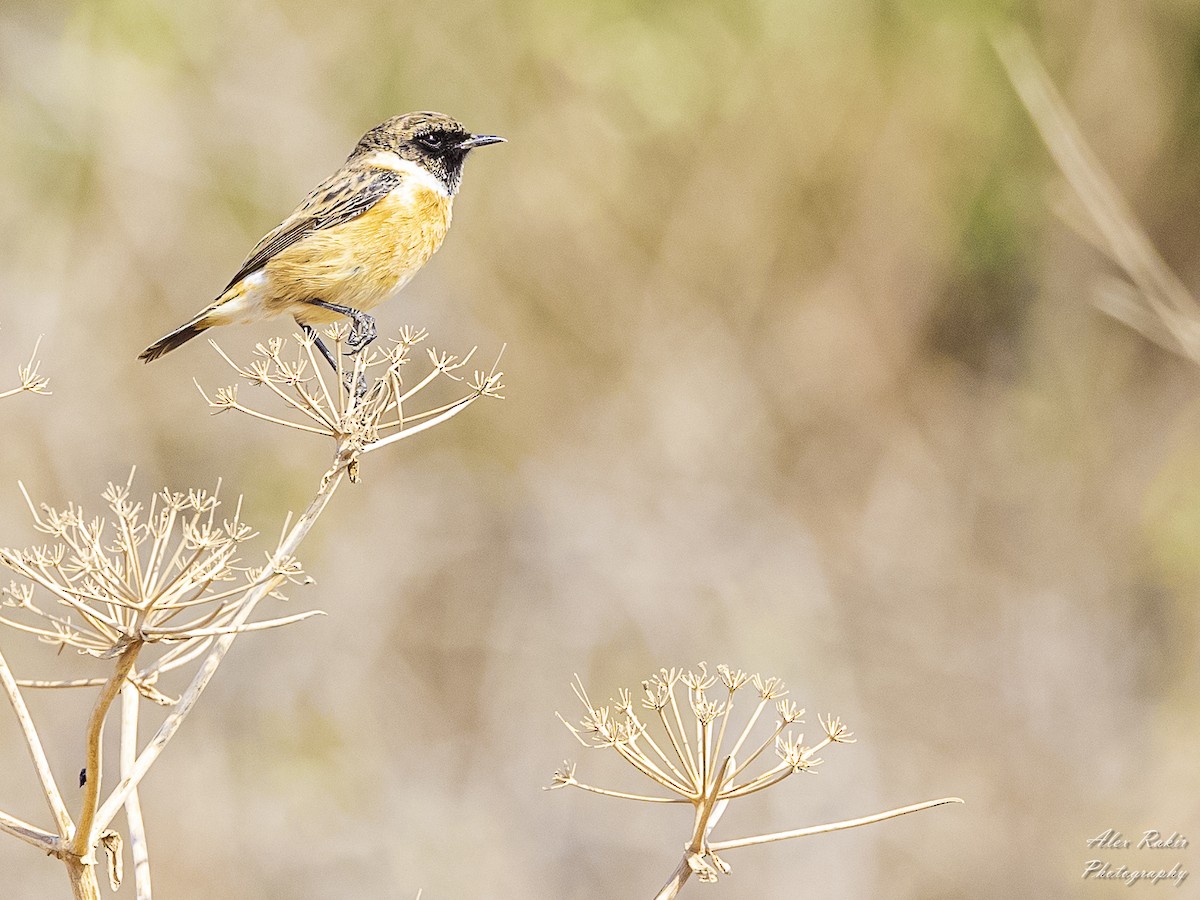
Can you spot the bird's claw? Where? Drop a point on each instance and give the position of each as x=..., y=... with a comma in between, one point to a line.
x=362, y=333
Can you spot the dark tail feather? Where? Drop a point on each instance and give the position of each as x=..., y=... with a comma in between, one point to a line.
x=176, y=338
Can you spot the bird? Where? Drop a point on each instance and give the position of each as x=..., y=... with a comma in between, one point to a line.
x=359, y=237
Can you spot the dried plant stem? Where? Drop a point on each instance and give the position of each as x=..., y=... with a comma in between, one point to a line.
x=43, y=683
x=62, y=818
x=133, y=806
x=625, y=795
x=31, y=834
x=678, y=878
x=718, y=846
x=82, y=846
x=705, y=810
x=696, y=846
x=84, y=885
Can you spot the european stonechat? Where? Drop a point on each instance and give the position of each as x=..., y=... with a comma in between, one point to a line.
x=359, y=236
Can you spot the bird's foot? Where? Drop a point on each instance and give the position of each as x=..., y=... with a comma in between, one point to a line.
x=362, y=332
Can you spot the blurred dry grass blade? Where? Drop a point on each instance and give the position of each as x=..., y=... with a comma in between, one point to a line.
x=1163, y=309
x=366, y=405
x=697, y=765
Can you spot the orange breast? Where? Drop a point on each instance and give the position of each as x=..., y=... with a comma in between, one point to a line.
x=361, y=262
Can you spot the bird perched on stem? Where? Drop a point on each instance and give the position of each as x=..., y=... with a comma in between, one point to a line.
x=358, y=237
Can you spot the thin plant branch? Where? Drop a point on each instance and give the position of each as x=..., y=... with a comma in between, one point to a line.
x=30, y=834
x=41, y=764
x=133, y=806
x=83, y=843
x=721, y=846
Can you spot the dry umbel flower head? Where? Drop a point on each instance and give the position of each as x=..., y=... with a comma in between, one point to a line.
x=700, y=759
x=163, y=573
x=367, y=404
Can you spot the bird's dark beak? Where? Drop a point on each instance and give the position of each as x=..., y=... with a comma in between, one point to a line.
x=480, y=140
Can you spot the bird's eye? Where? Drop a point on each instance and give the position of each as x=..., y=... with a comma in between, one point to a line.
x=430, y=142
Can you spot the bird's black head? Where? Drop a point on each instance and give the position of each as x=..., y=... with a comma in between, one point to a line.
x=433, y=141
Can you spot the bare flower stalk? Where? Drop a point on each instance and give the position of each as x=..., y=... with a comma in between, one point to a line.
x=699, y=769
x=130, y=709
x=43, y=840
x=157, y=586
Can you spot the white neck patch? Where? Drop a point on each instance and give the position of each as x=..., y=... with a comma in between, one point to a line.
x=386, y=159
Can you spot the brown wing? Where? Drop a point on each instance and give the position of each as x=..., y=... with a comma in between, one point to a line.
x=336, y=200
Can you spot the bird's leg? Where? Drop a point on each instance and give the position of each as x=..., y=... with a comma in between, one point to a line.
x=360, y=389
x=363, y=331
x=311, y=333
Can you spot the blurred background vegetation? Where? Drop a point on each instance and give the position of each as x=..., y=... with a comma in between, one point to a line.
x=803, y=376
